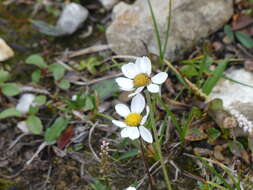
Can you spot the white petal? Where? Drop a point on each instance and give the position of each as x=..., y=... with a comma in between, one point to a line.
x=126, y=89
x=145, y=134
x=25, y=102
x=153, y=88
x=137, y=91
x=129, y=70
x=144, y=119
x=159, y=78
x=133, y=132
x=131, y=188
x=138, y=104
x=144, y=64
x=125, y=83
x=124, y=132
x=119, y=123
x=122, y=110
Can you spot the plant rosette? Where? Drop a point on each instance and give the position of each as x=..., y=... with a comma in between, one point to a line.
x=133, y=124
x=138, y=76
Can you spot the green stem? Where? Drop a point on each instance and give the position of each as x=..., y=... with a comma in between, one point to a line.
x=157, y=143
x=173, y=118
x=146, y=165
x=104, y=116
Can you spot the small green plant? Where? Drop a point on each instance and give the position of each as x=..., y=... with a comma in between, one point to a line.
x=8, y=88
x=241, y=37
x=57, y=70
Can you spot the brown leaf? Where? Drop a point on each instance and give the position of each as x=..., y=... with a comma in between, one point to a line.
x=65, y=137
x=243, y=23
x=195, y=134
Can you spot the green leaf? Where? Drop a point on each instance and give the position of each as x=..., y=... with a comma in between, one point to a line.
x=215, y=104
x=97, y=185
x=89, y=103
x=64, y=84
x=129, y=154
x=53, y=132
x=10, y=112
x=189, y=71
x=34, y=124
x=244, y=39
x=106, y=88
x=36, y=76
x=4, y=76
x=36, y=60
x=101, y=28
x=10, y=89
x=41, y=99
x=57, y=70
x=236, y=148
x=229, y=32
x=216, y=75
x=213, y=134
x=33, y=110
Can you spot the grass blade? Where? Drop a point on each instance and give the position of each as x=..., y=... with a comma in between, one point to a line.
x=168, y=29
x=212, y=81
x=158, y=37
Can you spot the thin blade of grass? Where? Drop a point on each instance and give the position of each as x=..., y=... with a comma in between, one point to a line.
x=167, y=29
x=212, y=81
x=158, y=37
x=235, y=81
x=213, y=170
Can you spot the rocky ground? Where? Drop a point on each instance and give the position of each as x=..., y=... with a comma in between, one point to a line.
x=66, y=55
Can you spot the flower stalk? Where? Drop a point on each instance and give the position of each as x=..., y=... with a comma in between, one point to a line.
x=157, y=143
x=146, y=165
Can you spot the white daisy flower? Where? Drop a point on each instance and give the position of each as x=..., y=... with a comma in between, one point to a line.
x=133, y=120
x=131, y=188
x=138, y=76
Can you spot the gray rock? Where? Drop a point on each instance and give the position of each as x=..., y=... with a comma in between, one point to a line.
x=72, y=17
x=108, y=4
x=5, y=51
x=132, y=27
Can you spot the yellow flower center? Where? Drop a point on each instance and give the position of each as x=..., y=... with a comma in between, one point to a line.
x=133, y=119
x=141, y=80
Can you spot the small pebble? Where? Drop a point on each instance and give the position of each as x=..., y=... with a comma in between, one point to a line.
x=218, y=46
x=5, y=51
x=248, y=65
x=226, y=40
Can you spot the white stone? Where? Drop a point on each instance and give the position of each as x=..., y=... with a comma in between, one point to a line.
x=237, y=98
x=108, y=4
x=231, y=92
x=5, y=51
x=132, y=30
x=24, y=103
x=23, y=126
x=72, y=17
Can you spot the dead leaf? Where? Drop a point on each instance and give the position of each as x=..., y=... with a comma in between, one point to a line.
x=65, y=137
x=195, y=134
x=243, y=23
